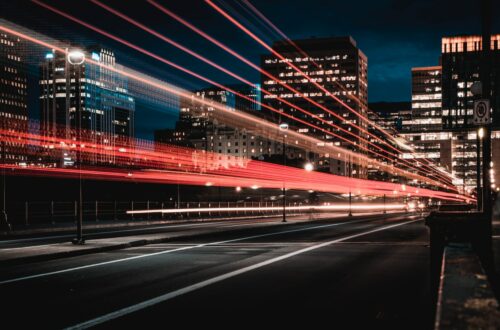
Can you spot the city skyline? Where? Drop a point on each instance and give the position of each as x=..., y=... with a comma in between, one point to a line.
x=289, y=160
x=391, y=53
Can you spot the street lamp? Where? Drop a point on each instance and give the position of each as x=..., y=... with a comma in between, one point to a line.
x=77, y=58
x=284, y=127
x=480, y=136
x=350, y=193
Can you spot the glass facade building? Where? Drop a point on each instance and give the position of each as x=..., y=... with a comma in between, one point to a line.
x=94, y=93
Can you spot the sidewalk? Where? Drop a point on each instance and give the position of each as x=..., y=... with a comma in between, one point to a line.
x=21, y=255
x=36, y=253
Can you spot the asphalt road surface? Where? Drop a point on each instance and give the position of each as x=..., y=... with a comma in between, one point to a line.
x=334, y=274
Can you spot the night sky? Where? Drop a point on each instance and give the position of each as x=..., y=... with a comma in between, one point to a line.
x=395, y=34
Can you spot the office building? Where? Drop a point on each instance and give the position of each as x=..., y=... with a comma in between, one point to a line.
x=92, y=92
x=13, y=96
x=446, y=135
x=426, y=96
x=338, y=65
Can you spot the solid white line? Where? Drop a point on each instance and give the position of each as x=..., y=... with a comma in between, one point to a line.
x=199, y=285
x=169, y=251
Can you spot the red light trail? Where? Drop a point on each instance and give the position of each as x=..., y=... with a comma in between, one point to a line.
x=308, y=143
x=172, y=164
x=258, y=40
x=249, y=63
x=305, y=141
x=246, y=118
x=232, y=74
x=445, y=182
x=300, y=50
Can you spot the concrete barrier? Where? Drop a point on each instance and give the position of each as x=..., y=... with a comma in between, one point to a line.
x=465, y=298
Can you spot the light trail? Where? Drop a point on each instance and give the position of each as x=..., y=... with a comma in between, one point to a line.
x=432, y=171
x=300, y=50
x=336, y=207
x=258, y=40
x=239, y=119
x=272, y=178
x=211, y=168
x=222, y=86
x=232, y=74
x=444, y=184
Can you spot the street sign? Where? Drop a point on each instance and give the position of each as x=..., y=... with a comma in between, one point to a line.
x=481, y=112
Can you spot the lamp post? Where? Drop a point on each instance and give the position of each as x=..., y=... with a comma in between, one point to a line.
x=309, y=167
x=350, y=193
x=385, y=209
x=284, y=127
x=4, y=224
x=77, y=58
x=480, y=135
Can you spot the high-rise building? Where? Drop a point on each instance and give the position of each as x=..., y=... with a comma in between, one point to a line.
x=338, y=65
x=95, y=94
x=442, y=109
x=424, y=132
x=461, y=59
x=13, y=96
x=426, y=96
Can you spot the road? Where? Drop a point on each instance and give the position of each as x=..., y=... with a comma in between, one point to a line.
x=119, y=229
x=362, y=271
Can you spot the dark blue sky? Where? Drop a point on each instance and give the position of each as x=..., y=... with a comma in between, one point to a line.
x=395, y=34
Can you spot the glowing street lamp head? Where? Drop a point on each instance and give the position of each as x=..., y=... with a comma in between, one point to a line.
x=309, y=167
x=283, y=126
x=480, y=133
x=76, y=57
x=238, y=189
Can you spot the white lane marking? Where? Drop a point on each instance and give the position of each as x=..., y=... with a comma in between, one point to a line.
x=202, y=284
x=29, y=277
